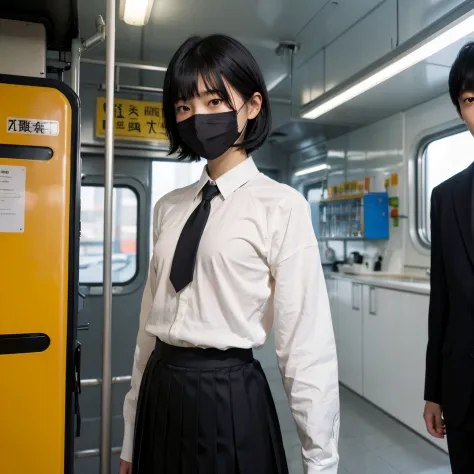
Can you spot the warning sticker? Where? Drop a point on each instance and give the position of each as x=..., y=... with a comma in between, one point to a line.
x=12, y=198
x=32, y=126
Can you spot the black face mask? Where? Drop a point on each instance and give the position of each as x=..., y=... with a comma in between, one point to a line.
x=210, y=135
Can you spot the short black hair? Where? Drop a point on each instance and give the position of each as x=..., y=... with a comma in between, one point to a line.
x=461, y=76
x=214, y=58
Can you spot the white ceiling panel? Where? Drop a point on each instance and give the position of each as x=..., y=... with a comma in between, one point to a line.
x=330, y=23
x=362, y=45
x=257, y=23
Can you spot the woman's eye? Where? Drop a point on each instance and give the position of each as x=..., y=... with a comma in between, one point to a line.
x=469, y=100
x=182, y=108
x=215, y=102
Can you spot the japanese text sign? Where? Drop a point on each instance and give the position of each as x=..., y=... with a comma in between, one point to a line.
x=133, y=120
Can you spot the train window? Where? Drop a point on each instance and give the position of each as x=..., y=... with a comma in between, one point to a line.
x=440, y=159
x=169, y=175
x=124, y=241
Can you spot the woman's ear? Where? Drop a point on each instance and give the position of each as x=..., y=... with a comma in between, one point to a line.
x=254, y=105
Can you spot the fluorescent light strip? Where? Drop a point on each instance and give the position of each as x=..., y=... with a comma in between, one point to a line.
x=136, y=12
x=312, y=169
x=450, y=35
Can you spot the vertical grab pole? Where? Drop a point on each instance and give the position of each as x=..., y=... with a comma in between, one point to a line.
x=76, y=51
x=106, y=412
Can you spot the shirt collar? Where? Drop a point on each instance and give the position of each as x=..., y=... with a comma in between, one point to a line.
x=230, y=181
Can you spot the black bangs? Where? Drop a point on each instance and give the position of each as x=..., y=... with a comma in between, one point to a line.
x=461, y=76
x=219, y=60
x=184, y=82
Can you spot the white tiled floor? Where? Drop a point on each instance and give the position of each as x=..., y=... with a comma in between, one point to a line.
x=370, y=441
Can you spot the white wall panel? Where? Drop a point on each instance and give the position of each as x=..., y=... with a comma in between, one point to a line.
x=309, y=80
x=363, y=44
x=337, y=159
x=417, y=15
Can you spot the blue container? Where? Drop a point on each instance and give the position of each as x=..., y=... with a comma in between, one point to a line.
x=375, y=216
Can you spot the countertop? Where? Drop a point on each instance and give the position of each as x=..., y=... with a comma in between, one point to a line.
x=409, y=285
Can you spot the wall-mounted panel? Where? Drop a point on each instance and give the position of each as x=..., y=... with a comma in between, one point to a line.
x=367, y=41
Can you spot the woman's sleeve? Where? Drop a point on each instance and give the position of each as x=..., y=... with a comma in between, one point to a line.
x=304, y=335
x=143, y=350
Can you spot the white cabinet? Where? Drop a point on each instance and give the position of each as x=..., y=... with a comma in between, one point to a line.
x=346, y=307
x=395, y=335
x=381, y=337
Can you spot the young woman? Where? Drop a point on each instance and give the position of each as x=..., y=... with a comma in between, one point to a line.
x=233, y=255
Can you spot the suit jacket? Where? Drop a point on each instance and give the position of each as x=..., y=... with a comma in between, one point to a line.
x=450, y=353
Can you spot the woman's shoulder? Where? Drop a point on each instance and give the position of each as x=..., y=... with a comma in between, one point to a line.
x=276, y=194
x=169, y=200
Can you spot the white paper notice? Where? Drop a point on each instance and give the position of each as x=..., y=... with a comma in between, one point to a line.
x=12, y=198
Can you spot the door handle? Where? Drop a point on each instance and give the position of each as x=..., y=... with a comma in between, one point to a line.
x=77, y=386
x=355, y=300
x=372, y=302
x=83, y=327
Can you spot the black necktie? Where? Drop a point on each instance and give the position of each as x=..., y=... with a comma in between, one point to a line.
x=182, y=268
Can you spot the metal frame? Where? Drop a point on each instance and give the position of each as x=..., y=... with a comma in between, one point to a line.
x=115, y=380
x=79, y=46
x=139, y=190
x=92, y=453
x=119, y=183
x=421, y=211
x=144, y=89
x=127, y=65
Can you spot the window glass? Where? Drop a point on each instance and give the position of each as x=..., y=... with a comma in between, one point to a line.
x=442, y=159
x=124, y=241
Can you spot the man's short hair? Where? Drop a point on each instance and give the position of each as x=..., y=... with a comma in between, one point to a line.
x=461, y=77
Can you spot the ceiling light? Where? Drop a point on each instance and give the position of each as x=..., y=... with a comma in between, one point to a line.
x=446, y=36
x=135, y=12
x=312, y=169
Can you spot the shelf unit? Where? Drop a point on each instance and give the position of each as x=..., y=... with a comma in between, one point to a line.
x=354, y=217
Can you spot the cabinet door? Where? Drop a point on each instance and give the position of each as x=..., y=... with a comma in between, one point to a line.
x=349, y=334
x=411, y=381
x=382, y=313
x=395, y=337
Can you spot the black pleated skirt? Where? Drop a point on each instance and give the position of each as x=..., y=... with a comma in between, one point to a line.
x=205, y=411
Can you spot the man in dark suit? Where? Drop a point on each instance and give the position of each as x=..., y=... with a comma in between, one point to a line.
x=449, y=382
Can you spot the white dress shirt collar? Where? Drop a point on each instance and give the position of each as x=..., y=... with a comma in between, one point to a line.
x=230, y=181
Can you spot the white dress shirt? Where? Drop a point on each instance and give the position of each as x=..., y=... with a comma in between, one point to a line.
x=258, y=265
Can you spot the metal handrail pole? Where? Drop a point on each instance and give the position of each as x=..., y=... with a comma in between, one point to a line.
x=106, y=412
